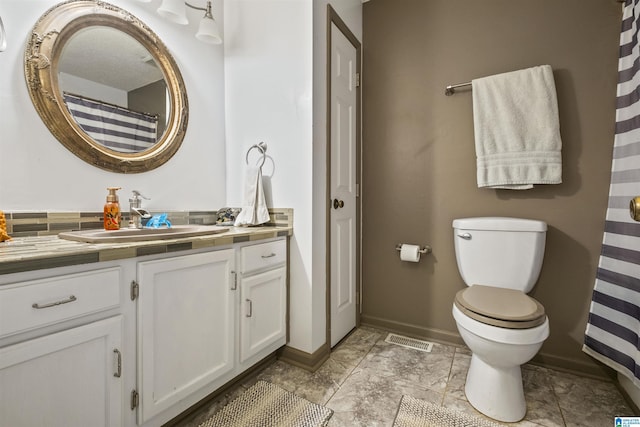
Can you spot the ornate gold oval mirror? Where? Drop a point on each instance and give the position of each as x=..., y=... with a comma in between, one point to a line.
x=106, y=86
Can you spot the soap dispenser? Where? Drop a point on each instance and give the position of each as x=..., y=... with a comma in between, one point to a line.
x=112, y=210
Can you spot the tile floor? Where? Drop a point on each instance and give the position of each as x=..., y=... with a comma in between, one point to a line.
x=365, y=377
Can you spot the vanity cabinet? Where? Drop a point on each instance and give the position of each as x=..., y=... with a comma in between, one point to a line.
x=186, y=324
x=263, y=286
x=65, y=376
x=137, y=341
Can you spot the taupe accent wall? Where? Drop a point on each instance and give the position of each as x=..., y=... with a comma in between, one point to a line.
x=419, y=157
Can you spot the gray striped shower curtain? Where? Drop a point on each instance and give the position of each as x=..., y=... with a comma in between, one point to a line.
x=614, y=319
x=115, y=127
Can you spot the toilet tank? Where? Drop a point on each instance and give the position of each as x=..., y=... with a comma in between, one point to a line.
x=501, y=252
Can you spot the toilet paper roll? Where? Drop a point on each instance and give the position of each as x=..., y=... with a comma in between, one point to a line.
x=410, y=253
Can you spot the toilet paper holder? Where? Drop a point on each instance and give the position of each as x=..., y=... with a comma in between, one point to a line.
x=426, y=249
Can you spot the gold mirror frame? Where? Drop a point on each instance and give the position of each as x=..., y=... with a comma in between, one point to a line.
x=42, y=54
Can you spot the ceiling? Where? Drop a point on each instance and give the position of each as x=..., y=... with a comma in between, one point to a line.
x=110, y=57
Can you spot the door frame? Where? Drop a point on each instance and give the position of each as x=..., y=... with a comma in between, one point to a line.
x=334, y=19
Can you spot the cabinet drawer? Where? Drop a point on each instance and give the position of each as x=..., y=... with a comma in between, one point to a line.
x=37, y=303
x=263, y=255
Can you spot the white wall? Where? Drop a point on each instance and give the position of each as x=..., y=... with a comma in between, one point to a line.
x=273, y=91
x=268, y=72
x=90, y=89
x=275, y=59
x=37, y=173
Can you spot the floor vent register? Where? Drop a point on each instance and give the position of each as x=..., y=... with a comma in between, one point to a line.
x=413, y=343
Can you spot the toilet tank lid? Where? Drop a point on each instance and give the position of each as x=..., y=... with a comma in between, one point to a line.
x=499, y=224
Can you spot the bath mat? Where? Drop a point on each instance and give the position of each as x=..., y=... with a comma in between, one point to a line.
x=418, y=413
x=267, y=405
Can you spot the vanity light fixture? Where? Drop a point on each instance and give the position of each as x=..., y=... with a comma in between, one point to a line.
x=3, y=37
x=176, y=11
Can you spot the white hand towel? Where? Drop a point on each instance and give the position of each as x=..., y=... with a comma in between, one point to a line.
x=254, y=210
x=517, y=130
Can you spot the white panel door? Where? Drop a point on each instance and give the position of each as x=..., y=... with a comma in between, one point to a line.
x=186, y=327
x=343, y=185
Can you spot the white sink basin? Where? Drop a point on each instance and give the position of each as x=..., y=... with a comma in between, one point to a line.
x=142, y=234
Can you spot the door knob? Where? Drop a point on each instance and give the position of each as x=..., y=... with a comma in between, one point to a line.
x=634, y=208
x=337, y=204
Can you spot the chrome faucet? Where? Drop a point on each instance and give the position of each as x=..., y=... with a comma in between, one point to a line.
x=136, y=213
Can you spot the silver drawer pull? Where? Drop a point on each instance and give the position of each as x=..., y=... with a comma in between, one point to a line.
x=235, y=281
x=53, y=304
x=118, y=373
x=250, y=308
x=271, y=255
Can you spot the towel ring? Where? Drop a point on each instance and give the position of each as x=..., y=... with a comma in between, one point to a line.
x=262, y=147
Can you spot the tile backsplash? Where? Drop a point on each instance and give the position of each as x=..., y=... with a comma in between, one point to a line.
x=28, y=224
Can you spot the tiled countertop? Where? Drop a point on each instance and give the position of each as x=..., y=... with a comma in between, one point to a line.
x=36, y=253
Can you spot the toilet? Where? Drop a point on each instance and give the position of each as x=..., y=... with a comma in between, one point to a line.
x=500, y=260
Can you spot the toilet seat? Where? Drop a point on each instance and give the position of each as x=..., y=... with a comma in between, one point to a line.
x=505, y=308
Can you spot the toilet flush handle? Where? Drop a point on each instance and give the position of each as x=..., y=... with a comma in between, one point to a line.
x=465, y=236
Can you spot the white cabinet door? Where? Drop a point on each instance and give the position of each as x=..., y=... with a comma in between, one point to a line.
x=263, y=317
x=185, y=327
x=69, y=378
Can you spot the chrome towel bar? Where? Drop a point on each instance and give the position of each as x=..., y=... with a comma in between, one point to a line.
x=451, y=89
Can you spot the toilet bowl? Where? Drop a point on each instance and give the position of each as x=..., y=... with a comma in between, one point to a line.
x=494, y=379
x=502, y=326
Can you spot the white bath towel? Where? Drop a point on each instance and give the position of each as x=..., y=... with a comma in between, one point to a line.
x=254, y=209
x=517, y=130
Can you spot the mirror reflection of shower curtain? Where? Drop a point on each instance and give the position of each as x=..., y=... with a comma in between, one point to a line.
x=614, y=320
x=115, y=127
